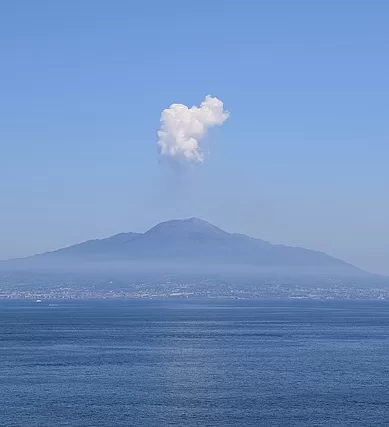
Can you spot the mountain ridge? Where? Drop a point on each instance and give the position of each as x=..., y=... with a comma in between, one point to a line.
x=191, y=241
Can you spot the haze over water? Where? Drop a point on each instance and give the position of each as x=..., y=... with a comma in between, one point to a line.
x=194, y=363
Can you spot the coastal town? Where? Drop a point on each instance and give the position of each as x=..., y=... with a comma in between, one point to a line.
x=205, y=289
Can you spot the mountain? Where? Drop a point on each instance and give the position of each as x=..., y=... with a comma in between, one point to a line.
x=192, y=242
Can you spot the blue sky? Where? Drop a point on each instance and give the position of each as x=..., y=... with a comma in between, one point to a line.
x=302, y=159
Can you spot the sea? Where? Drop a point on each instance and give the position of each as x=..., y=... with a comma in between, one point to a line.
x=194, y=363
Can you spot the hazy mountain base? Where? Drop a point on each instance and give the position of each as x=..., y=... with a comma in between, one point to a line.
x=120, y=275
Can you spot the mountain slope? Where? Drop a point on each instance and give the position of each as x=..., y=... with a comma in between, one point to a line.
x=93, y=249
x=193, y=241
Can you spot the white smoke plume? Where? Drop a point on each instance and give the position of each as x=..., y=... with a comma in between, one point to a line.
x=183, y=128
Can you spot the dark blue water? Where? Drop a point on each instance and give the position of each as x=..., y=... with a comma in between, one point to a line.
x=208, y=363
